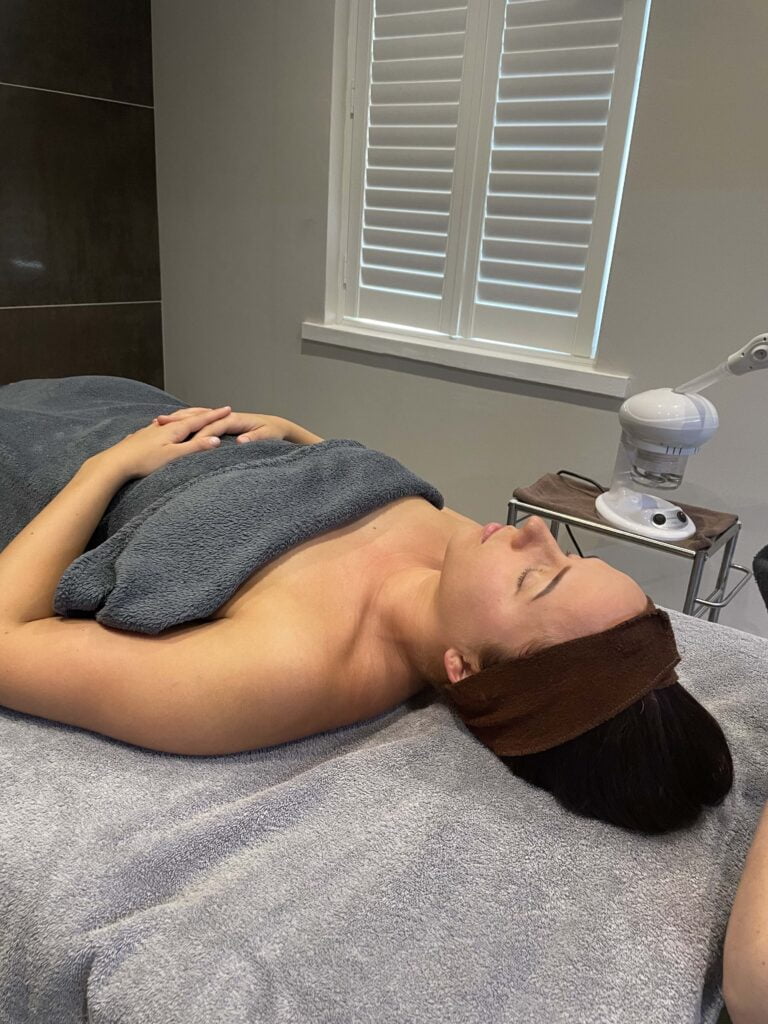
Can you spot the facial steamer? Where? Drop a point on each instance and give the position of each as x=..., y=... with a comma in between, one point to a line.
x=660, y=429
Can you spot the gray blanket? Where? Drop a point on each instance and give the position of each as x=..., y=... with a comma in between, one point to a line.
x=390, y=871
x=175, y=545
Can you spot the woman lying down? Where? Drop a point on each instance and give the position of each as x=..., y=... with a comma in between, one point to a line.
x=562, y=666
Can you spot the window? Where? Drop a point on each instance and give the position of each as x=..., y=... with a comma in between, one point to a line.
x=484, y=155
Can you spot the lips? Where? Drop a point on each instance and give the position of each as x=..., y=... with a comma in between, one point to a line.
x=488, y=530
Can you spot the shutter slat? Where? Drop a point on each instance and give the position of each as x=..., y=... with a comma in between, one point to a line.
x=416, y=66
x=406, y=220
x=520, y=183
x=395, y=177
x=404, y=259
x=405, y=199
x=405, y=280
x=411, y=156
x=420, y=23
x=540, y=300
x=552, y=104
x=390, y=238
x=568, y=111
x=416, y=92
x=550, y=11
x=553, y=135
x=536, y=252
x=401, y=47
x=511, y=272
x=548, y=85
x=415, y=69
x=414, y=113
x=384, y=7
x=552, y=159
x=597, y=59
x=562, y=36
x=533, y=229
x=541, y=207
x=413, y=135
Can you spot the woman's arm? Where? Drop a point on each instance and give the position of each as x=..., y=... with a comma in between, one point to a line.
x=745, y=963
x=34, y=562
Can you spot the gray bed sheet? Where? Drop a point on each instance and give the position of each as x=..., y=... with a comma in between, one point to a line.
x=391, y=871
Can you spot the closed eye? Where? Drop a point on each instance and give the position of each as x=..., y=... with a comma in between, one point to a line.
x=524, y=573
x=552, y=584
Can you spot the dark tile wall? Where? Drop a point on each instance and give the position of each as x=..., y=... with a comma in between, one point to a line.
x=79, y=263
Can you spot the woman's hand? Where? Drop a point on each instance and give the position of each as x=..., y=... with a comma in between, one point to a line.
x=249, y=426
x=153, y=447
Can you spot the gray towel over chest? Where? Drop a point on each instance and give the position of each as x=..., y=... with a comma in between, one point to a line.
x=174, y=546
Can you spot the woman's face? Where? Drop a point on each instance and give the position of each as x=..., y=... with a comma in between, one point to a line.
x=518, y=587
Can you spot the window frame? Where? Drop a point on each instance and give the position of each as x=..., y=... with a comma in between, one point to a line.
x=579, y=371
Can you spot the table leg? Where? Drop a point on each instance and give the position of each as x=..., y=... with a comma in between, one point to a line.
x=722, y=575
x=699, y=561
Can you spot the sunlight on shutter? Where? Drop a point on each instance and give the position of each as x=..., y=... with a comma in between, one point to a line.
x=416, y=70
x=554, y=94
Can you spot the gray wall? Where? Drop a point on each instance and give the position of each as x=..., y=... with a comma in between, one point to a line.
x=242, y=95
x=79, y=261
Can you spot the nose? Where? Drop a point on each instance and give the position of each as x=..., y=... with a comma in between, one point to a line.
x=535, y=531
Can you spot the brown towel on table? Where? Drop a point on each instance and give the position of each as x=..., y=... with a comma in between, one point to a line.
x=562, y=495
x=534, y=703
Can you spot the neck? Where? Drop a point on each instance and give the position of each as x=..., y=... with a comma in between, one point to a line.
x=406, y=607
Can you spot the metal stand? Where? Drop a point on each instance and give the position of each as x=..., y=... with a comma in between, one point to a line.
x=693, y=605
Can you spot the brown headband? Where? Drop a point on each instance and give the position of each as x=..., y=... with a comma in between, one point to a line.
x=538, y=702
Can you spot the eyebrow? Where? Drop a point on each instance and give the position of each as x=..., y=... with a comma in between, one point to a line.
x=552, y=584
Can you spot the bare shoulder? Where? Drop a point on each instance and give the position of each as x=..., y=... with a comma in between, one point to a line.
x=335, y=681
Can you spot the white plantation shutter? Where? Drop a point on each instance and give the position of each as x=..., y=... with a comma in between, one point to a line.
x=554, y=93
x=485, y=163
x=415, y=81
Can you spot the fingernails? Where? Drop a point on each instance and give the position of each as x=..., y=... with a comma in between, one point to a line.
x=214, y=441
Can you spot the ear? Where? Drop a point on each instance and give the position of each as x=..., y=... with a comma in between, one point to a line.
x=458, y=666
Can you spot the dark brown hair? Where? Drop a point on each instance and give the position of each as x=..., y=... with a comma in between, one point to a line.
x=652, y=768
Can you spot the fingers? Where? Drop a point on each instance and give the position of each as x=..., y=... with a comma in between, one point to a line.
x=181, y=414
x=238, y=423
x=207, y=416
x=179, y=429
x=204, y=439
x=216, y=422
x=257, y=433
x=226, y=426
x=198, y=443
x=185, y=412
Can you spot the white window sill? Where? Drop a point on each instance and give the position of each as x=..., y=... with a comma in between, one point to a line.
x=576, y=374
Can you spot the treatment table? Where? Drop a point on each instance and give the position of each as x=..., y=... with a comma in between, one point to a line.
x=389, y=871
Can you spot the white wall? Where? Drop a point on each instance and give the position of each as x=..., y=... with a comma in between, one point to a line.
x=242, y=125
